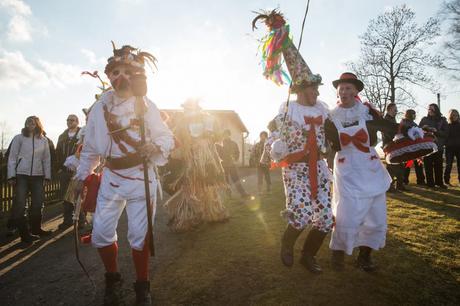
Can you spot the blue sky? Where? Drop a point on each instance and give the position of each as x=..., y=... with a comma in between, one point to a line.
x=205, y=50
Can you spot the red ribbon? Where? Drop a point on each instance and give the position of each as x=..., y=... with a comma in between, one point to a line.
x=313, y=148
x=358, y=139
x=310, y=148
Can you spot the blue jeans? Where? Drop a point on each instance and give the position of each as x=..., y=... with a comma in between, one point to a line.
x=24, y=184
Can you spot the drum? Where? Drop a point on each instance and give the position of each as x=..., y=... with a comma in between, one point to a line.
x=405, y=149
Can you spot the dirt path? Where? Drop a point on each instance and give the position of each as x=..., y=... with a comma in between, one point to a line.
x=47, y=273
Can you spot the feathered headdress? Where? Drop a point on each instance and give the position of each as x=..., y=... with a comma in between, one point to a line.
x=128, y=55
x=278, y=43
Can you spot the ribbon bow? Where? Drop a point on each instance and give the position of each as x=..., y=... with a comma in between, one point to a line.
x=358, y=139
x=310, y=149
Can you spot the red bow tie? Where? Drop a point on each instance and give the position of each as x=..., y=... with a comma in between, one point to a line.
x=359, y=140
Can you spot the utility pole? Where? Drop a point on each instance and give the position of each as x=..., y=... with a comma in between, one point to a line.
x=439, y=100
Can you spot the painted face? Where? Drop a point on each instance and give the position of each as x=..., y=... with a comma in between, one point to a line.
x=119, y=77
x=347, y=93
x=308, y=95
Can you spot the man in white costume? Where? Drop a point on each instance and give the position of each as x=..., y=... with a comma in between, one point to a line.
x=112, y=133
x=360, y=180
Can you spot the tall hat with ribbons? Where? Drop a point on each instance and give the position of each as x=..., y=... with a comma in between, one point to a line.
x=131, y=56
x=279, y=42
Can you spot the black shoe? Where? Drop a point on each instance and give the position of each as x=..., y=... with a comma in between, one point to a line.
x=364, y=260
x=338, y=260
x=113, y=289
x=41, y=232
x=143, y=297
x=442, y=186
x=23, y=230
x=310, y=263
x=430, y=185
x=287, y=256
x=287, y=245
x=64, y=225
x=36, y=226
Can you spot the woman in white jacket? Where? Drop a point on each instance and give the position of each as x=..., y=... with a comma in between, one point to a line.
x=29, y=168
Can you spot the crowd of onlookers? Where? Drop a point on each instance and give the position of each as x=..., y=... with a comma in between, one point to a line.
x=32, y=159
x=429, y=170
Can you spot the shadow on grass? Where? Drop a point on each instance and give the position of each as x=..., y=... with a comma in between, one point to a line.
x=238, y=263
x=432, y=202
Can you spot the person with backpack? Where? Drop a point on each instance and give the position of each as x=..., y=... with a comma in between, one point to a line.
x=29, y=169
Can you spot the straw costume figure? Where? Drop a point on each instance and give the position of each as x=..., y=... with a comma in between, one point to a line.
x=197, y=188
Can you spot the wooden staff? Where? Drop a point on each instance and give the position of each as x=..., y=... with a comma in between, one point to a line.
x=139, y=89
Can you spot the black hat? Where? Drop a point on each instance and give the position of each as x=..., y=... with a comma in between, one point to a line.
x=348, y=77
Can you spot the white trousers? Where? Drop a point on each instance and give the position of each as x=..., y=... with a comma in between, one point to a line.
x=105, y=221
x=359, y=222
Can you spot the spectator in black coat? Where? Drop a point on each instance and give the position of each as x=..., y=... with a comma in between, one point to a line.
x=262, y=161
x=452, y=144
x=437, y=124
x=66, y=146
x=396, y=171
x=229, y=154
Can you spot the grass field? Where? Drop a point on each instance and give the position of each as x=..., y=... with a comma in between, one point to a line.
x=237, y=263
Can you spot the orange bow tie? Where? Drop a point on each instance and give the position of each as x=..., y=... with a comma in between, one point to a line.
x=359, y=140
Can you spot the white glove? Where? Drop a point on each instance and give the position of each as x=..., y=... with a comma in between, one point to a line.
x=72, y=163
x=279, y=150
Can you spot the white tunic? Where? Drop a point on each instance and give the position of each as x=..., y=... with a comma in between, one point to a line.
x=125, y=187
x=98, y=143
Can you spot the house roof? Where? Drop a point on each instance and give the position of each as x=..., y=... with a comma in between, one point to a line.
x=220, y=114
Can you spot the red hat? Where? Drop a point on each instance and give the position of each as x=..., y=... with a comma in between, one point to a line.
x=348, y=77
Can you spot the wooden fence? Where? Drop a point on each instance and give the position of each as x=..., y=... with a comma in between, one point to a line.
x=52, y=193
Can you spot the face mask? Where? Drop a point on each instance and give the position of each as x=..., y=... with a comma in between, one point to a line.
x=120, y=83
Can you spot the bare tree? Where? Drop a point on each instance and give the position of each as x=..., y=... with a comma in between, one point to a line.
x=450, y=13
x=394, y=57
